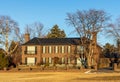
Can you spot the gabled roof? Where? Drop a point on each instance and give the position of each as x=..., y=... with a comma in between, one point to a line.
x=53, y=41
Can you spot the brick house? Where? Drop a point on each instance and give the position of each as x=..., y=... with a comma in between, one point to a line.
x=44, y=50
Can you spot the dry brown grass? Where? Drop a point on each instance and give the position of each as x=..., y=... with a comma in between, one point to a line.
x=58, y=77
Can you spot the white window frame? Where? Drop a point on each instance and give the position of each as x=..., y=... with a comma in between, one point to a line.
x=50, y=49
x=31, y=49
x=50, y=60
x=56, y=49
x=69, y=49
x=44, y=60
x=68, y=60
x=44, y=49
x=30, y=61
x=63, y=60
x=81, y=49
x=63, y=49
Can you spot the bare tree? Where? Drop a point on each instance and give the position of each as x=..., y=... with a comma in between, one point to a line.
x=35, y=29
x=39, y=29
x=7, y=28
x=114, y=29
x=87, y=24
x=114, y=32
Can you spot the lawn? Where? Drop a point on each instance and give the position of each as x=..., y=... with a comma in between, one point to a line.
x=58, y=77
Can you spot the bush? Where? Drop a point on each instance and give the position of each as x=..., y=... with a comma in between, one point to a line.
x=46, y=64
x=3, y=61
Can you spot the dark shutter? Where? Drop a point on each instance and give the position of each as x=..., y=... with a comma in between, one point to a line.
x=25, y=49
x=25, y=60
x=35, y=49
x=35, y=60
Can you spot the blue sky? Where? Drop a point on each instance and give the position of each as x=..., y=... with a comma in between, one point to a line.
x=51, y=12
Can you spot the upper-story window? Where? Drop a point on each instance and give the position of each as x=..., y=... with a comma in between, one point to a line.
x=31, y=50
x=63, y=49
x=80, y=49
x=50, y=49
x=44, y=49
x=56, y=49
x=69, y=49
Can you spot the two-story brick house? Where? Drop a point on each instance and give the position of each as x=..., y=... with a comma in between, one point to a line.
x=44, y=50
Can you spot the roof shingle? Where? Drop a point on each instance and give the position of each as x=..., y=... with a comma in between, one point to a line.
x=53, y=41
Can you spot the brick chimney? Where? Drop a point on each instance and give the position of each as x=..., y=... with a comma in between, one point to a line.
x=27, y=37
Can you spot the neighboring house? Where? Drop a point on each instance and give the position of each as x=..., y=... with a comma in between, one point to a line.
x=44, y=50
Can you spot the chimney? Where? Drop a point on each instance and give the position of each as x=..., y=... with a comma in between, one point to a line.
x=27, y=37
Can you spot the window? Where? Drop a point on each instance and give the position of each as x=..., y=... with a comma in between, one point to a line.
x=50, y=49
x=50, y=60
x=44, y=49
x=63, y=60
x=68, y=49
x=63, y=49
x=44, y=60
x=31, y=49
x=68, y=60
x=31, y=61
x=80, y=49
x=56, y=49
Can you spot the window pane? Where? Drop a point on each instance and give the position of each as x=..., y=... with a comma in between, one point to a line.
x=30, y=49
x=56, y=49
x=63, y=60
x=50, y=49
x=50, y=60
x=63, y=49
x=68, y=49
x=44, y=60
x=44, y=51
x=68, y=60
